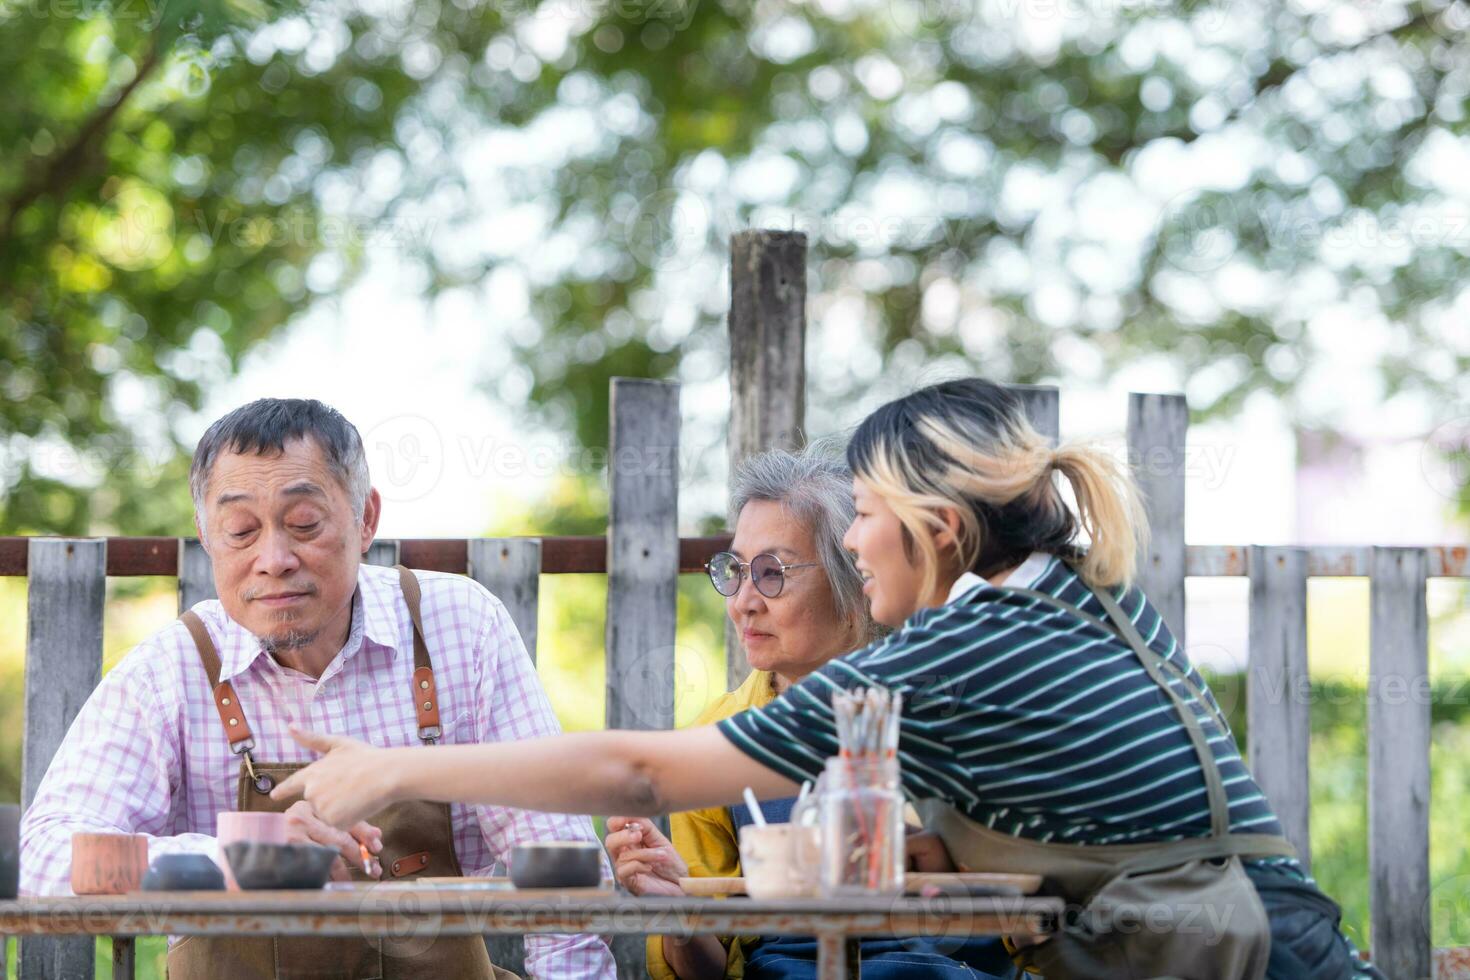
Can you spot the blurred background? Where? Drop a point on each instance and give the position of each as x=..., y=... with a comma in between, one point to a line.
x=455, y=220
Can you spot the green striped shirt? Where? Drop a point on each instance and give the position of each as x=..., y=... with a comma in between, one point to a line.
x=1027, y=719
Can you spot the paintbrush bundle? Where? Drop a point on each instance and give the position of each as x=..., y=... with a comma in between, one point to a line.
x=861, y=800
x=867, y=721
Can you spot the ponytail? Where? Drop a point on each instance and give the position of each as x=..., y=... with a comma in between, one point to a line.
x=1109, y=510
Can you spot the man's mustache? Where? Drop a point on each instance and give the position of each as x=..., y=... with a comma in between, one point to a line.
x=256, y=592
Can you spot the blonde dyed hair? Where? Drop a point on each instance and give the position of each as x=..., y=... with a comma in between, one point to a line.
x=968, y=446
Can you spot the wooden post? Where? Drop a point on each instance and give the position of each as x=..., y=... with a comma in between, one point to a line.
x=1043, y=408
x=124, y=958
x=65, y=592
x=1398, y=764
x=1278, y=695
x=642, y=572
x=196, y=574
x=767, y=362
x=642, y=553
x=1156, y=430
x=511, y=568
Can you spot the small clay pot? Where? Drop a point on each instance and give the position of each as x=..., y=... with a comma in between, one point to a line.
x=259, y=866
x=183, y=873
x=556, y=864
x=9, y=850
x=108, y=864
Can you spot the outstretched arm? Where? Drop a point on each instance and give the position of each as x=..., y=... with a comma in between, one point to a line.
x=636, y=773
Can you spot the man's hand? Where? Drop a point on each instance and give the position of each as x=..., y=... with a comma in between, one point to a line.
x=303, y=826
x=644, y=860
x=348, y=783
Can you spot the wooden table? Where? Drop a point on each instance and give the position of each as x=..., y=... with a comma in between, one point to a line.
x=407, y=916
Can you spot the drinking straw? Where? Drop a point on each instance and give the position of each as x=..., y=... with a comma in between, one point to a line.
x=754, y=808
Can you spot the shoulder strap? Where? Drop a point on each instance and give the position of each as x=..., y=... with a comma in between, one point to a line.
x=425, y=694
x=1152, y=665
x=231, y=714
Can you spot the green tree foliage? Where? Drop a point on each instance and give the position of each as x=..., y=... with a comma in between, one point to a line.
x=1032, y=188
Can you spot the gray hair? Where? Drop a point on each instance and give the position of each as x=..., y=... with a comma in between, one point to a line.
x=265, y=426
x=817, y=490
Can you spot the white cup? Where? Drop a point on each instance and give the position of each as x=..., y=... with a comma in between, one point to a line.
x=779, y=860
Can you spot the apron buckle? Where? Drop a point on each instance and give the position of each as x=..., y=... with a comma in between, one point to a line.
x=263, y=782
x=429, y=734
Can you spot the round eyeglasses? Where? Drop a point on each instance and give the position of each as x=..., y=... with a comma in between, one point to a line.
x=767, y=573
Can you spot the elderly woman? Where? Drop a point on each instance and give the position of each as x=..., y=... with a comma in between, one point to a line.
x=795, y=594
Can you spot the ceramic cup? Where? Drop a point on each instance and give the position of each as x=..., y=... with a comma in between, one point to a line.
x=556, y=864
x=778, y=860
x=246, y=828
x=9, y=850
x=108, y=864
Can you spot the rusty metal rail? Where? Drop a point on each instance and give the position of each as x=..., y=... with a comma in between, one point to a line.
x=409, y=918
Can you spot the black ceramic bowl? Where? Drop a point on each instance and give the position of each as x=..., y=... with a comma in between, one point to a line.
x=258, y=866
x=556, y=864
x=183, y=873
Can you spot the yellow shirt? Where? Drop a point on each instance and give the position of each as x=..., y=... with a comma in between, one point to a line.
x=706, y=839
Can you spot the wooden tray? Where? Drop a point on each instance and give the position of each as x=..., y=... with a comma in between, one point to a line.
x=914, y=882
x=453, y=884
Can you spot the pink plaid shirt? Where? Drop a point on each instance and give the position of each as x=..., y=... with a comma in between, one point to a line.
x=147, y=753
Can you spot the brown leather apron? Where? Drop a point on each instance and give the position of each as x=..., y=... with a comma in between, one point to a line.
x=418, y=841
x=1202, y=872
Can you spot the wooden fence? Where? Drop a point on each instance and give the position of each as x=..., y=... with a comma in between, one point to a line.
x=643, y=554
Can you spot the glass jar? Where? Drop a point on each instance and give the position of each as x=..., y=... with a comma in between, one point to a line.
x=862, y=827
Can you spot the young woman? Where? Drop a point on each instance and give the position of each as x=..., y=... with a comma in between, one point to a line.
x=794, y=592
x=1050, y=720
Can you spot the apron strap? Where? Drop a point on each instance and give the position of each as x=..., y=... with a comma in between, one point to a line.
x=425, y=694
x=1124, y=628
x=231, y=714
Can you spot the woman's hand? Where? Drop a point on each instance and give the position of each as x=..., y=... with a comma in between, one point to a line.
x=350, y=782
x=644, y=860
x=926, y=852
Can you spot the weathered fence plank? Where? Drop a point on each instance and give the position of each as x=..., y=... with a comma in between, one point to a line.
x=64, y=599
x=1278, y=693
x=511, y=568
x=196, y=575
x=382, y=552
x=767, y=363
x=1398, y=763
x=643, y=553
x=1156, y=431
x=643, y=563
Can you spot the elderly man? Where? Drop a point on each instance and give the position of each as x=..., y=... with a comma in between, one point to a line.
x=195, y=721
